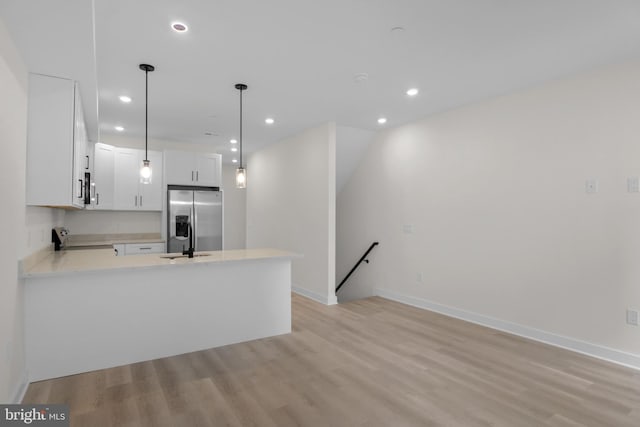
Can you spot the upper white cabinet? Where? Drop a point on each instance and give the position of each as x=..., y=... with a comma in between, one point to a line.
x=129, y=192
x=80, y=152
x=56, y=143
x=103, y=176
x=188, y=168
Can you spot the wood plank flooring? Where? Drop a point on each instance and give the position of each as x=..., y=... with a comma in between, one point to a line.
x=369, y=362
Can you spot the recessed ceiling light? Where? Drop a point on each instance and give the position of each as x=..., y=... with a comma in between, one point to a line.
x=234, y=149
x=361, y=77
x=124, y=98
x=234, y=141
x=234, y=160
x=413, y=91
x=382, y=120
x=119, y=128
x=269, y=121
x=179, y=27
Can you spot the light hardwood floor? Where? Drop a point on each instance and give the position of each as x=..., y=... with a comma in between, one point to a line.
x=370, y=362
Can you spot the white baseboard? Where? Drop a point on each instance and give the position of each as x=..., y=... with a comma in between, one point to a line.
x=629, y=360
x=20, y=389
x=322, y=299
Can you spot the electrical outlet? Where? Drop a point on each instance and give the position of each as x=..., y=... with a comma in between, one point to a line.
x=591, y=186
x=407, y=228
x=633, y=184
x=632, y=317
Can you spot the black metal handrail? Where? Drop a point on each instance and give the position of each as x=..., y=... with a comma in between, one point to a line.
x=373, y=245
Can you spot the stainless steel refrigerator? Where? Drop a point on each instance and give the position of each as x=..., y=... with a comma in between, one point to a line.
x=194, y=214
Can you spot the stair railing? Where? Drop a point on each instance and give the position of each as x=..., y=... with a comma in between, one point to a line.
x=355, y=267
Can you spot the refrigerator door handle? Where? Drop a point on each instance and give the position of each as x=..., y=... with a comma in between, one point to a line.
x=194, y=222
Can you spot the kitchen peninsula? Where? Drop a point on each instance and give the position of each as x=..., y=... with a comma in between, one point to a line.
x=89, y=309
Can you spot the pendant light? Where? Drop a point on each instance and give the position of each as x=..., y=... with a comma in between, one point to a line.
x=145, y=171
x=241, y=172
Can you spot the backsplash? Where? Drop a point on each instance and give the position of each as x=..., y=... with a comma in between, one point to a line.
x=38, y=224
x=112, y=222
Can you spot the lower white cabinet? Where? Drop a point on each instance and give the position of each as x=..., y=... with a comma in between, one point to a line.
x=138, y=248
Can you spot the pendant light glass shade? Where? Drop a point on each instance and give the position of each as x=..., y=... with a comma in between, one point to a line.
x=241, y=178
x=241, y=172
x=145, y=171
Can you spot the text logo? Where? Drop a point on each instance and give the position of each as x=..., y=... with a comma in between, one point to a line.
x=34, y=415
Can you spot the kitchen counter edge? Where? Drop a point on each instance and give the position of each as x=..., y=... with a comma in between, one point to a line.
x=98, y=260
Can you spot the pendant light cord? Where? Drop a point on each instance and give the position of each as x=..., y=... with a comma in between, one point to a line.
x=241, y=87
x=146, y=114
x=240, y=127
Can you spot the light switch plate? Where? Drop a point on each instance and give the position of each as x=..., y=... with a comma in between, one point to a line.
x=407, y=228
x=632, y=317
x=591, y=186
x=633, y=184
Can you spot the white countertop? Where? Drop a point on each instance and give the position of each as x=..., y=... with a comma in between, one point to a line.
x=89, y=260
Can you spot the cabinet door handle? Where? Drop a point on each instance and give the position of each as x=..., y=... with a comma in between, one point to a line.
x=145, y=249
x=135, y=200
x=191, y=175
x=81, y=188
x=87, y=167
x=97, y=198
x=140, y=201
x=197, y=175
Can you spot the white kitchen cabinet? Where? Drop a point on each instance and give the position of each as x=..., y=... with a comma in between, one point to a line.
x=56, y=143
x=189, y=168
x=89, y=157
x=151, y=194
x=103, y=177
x=80, y=140
x=138, y=248
x=129, y=192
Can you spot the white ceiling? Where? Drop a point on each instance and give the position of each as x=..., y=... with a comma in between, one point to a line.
x=299, y=57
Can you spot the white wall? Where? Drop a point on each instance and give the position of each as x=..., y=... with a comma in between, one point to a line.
x=123, y=140
x=291, y=206
x=495, y=193
x=235, y=210
x=351, y=145
x=26, y=229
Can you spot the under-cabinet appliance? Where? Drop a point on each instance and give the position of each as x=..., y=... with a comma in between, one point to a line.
x=194, y=216
x=59, y=237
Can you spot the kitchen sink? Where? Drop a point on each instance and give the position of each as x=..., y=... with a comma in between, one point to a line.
x=182, y=256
